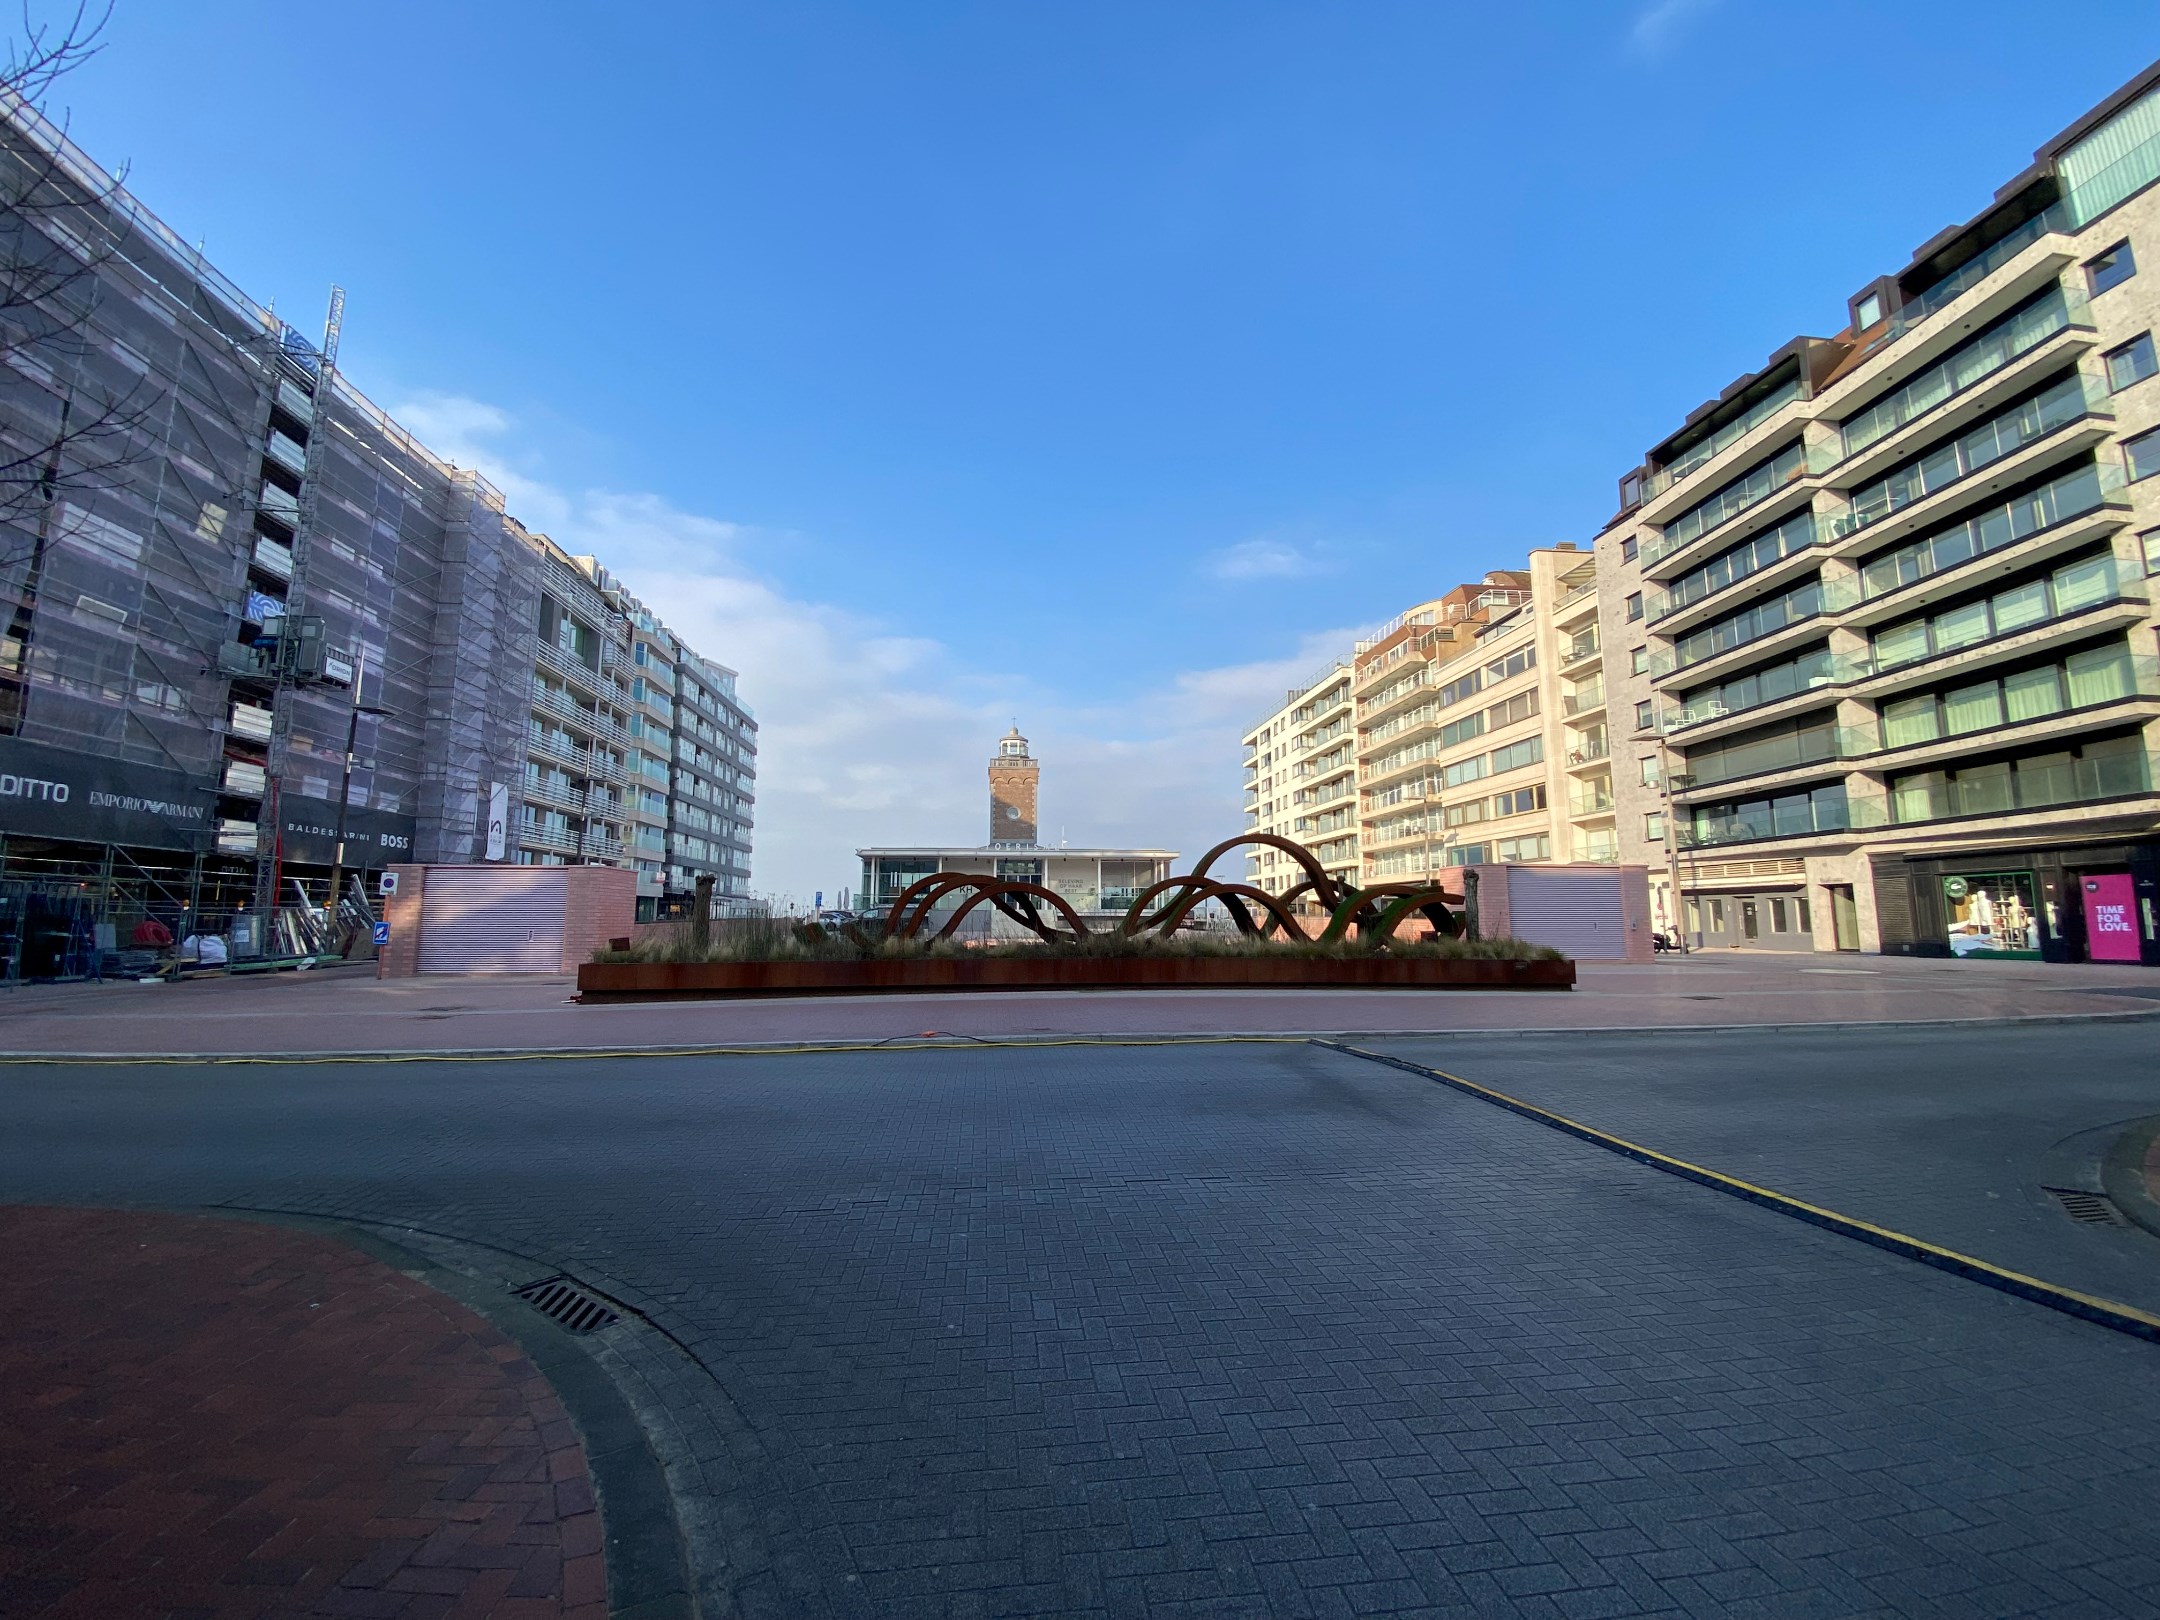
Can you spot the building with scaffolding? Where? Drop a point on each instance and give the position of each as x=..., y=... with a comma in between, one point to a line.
x=252, y=632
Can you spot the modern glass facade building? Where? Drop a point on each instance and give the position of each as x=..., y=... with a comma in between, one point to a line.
x=1879, y=624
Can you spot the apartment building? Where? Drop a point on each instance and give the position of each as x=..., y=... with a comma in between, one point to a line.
x=641, y=752
x=1481, y=726
x=1880, y=612
x=1300, y=781
x=249, y=610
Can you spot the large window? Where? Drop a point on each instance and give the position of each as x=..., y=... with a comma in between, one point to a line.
x=1750, y=624
x=1785, y=815
x=1796, y=533
x=2110, y=269
x=1984, y=445
x=1769, y=684
x=2073, y=587
x=1776, y=748
x=2017, y=333
x=2132, y=363
x=1751, y=488
x=2060, y=499
x=2141, y=455
x=2097, y=675
x=2109, y=768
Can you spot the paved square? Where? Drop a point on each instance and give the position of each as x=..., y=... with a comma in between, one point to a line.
x=1211, y=1330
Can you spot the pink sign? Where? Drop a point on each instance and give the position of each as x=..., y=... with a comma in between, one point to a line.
x=2111, y=930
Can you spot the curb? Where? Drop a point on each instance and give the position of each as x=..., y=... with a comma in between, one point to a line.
x=2087, y=1307
x=955, y=1043
x=647, y=1572
x=2122, y=1174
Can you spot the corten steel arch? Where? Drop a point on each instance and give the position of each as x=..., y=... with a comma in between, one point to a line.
x=996, y=890
x=1231, y=895
x=1325, y=888
x=930, y=890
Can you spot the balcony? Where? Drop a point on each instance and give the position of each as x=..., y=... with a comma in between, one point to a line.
x=2060, y=516
x=1579, y=602
x=294, y=403
x=555, y=840
x=272, y=558
x=1582, y=755
x=1589, y=700
x=1765, y=494
x=572, y=669
x=1578, y=653
x=1796, y=815
x=561, y=796
x=245, y=779
x=276, y=503
x=1593, y=802
x=250, y=720
x=1753, y=569
x=542, y=745
x=2001, y=362
x=1747, y=429
x=2121, y=609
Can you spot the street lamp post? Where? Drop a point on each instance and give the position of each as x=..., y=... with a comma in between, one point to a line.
x=344, y=798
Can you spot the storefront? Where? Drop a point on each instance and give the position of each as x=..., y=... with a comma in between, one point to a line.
x=1757, y=920
x=2063, y=903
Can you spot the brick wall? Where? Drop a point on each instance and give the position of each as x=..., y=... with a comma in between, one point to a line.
x=1012, y=787
x=600, y=905
x=400, y=959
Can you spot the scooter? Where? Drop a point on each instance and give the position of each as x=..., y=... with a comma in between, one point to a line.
x=1660, y=941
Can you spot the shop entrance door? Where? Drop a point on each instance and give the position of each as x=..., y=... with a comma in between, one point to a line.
x=2111, y=930
x=1845, y=916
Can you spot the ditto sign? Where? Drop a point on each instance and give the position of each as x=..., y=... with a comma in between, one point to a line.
x=31, y=787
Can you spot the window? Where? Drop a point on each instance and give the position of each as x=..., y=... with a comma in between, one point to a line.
x=1639, y=661
x=1649, y=768
x=2111, y=269
x=1631, y=495
x=1653, y=826
x=2142, y=454
x=1634, y=607
x=1643, y=720
x=2150, y=539
x=1867, y=312
x=2132, y=363
x=1627, y=549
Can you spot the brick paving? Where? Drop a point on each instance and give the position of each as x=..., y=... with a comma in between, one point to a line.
x=1956, y=1147
x=217, y=1420
x=1212, y=1331
x=343, y=1009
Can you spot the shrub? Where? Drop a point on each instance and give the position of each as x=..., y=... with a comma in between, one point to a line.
x=781, y=939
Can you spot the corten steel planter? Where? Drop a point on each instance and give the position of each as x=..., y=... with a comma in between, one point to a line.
x=666, y=981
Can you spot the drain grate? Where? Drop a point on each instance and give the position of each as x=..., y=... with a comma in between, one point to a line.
x=562, y=1300
x=2086, y=1208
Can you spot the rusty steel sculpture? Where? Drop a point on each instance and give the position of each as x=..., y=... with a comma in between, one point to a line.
x=1374, y=911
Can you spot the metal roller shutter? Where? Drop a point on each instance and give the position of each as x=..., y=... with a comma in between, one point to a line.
x=1576, y=913
x=492, y=919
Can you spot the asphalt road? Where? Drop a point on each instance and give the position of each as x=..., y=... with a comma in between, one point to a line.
x=1221, y=1330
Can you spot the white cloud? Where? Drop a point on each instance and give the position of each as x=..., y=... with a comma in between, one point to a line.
x=1261, y=559
x=869, y=737
x=1659, y=24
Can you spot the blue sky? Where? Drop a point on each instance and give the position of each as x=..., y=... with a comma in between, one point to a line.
x=1100, y=365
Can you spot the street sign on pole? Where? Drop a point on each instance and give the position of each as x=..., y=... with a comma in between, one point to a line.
x=382, y=933
x=387, y=883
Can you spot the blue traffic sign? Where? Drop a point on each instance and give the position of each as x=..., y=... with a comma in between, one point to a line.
x=382, y=933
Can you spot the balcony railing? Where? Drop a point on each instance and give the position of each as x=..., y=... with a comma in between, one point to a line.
x=2002, y=344
x=1969, y=453
x=1588, y=753
x=2057, y=501
x=1742, y=495
x=1707, y=450
x=1579, y=651
x=1590, y=804
x=1788, y=539
x=1582, y=702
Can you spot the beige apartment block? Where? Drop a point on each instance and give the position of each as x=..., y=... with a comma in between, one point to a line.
x=1481, y=726
x=1878, y=632
x=1300, y=765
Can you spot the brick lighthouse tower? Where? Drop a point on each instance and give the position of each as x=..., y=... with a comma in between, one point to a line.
x=1013, y=776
